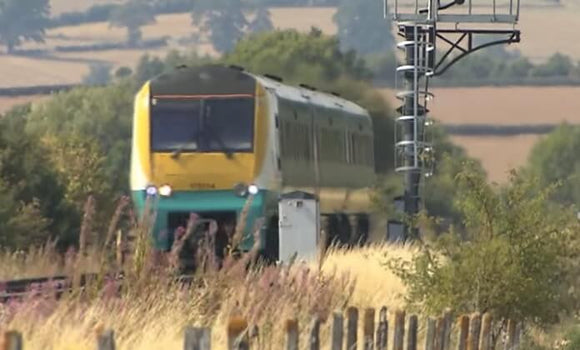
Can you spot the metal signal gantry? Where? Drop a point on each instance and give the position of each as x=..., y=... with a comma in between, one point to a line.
x=420, y=27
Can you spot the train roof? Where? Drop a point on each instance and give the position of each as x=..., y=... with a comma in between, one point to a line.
x=305, y=94
x=216, y=78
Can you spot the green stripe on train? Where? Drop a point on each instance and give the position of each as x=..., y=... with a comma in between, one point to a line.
x=200, y=202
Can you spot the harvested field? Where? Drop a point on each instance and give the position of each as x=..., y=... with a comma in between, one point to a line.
x=7, y=103
x=503, y=105
x=498, y=155
x=61, y=6
x=24, y=71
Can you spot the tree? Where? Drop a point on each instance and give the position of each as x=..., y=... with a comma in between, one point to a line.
x=555, y=158
x=23, y=20
x=98, y=115
x=557, y=65
x=222, y=20
x=132, y=15
x=262, y=21
x=33, y=209
x=300, y=58
x=362, y=26
x=99, y=74
x=514, y=261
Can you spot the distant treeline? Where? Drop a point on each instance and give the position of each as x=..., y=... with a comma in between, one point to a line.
x=497, y=130
x=492, y=67
x=36, y=90
x=144, y=44
x=102, y=12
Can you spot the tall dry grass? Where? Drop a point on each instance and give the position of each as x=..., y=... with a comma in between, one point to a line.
x=151, y=310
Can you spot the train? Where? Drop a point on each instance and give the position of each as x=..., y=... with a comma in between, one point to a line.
x=206, y=138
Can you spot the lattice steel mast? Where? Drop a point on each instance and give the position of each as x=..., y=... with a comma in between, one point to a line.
x=419, y=29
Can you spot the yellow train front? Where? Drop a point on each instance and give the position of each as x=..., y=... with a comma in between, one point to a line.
x=204, y=138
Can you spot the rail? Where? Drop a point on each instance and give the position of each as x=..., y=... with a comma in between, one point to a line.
x=55, y=285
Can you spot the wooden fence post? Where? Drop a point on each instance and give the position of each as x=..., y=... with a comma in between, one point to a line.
x=430, y=335
x=383, y=330
x=412, y=331
x=197, y=339
x=369, y=329
x=337, y=331
x=439, y=334
x=237, y=334
x=315, y=334
x=447, y=329
x=485, y=341
x=463, y=332
x=511, y=335
x=474, y=332
x=11, y=341
x=351, y=328
x=292, y=335
x=106, y=340
x=398, y=341
x=518, y=336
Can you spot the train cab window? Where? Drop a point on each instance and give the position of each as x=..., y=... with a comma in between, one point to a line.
x=175, y=125
x=204, y=125
x=228, y=125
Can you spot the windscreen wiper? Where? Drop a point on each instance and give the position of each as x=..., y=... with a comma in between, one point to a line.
x=229, y=154
x=176, y=153
x=210, y=131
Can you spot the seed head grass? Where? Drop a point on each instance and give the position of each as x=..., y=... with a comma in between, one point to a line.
x=151, y=310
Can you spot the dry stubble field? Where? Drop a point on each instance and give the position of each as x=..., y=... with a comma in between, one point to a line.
x=502, y=106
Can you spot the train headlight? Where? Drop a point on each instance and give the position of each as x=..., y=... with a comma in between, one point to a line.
x=240, y=190
x=165, y=190
x=151, y=190
x=253, y=190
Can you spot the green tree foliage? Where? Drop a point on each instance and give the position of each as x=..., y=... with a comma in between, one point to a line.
x=557, y=65
x=362, y=26
x=31, y=195
x=555, y=158
x=261, y=21
x=222, y=20
x=93, y=126
x=22, y=20
x=299, y=58
x=514, y=259
x=132, y=15
x=99, y=74
x=440, y=190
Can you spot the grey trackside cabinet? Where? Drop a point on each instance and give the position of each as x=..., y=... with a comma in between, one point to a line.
x=299, y=226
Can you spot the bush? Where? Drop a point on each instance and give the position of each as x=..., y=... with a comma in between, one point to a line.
x=514, y=259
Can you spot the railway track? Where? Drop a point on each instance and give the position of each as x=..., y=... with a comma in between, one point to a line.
x=19, y=289
x=55, y=285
